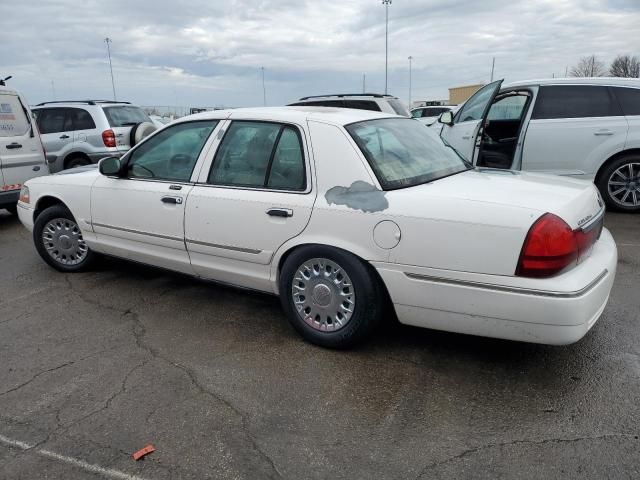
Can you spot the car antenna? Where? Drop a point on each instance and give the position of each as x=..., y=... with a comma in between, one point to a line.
x=4, y=80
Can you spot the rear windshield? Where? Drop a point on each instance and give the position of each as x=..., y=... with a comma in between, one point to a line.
x=404, y=152
x=125, y=116
x=13, y=121
x=398, y=107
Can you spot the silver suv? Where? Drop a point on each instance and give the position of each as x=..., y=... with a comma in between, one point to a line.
x=361, y=101
x=76, y=133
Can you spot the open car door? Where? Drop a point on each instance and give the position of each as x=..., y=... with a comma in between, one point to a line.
x=462, y=133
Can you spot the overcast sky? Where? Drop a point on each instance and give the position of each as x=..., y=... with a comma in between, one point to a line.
x=209, y=52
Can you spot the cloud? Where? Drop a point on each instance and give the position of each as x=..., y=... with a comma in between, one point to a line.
x=210, y=53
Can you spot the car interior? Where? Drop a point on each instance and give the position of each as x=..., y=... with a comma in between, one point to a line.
x=502, y=128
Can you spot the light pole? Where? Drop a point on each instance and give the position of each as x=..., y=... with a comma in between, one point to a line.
x=410, y=58
x=386, y=4
x=264, y=89
x=113, y=85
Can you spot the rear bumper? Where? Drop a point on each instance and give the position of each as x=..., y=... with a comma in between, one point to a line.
x=9, y=198
x=556, y=311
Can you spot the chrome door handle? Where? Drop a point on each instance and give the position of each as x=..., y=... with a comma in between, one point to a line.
x=280, y=212
x=173, y=200
x=603, y=132
x=64, y=137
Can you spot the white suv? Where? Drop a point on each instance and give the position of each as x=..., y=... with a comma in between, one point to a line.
x=21, y=152
x=375, y=102
x=586, y=128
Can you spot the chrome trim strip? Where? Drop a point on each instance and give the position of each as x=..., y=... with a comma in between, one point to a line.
x=502, y=288
x=139, y=232
x=225, y=247
x=592, y=221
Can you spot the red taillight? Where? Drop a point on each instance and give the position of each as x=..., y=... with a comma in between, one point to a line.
x=109, y=138
x=551, y=246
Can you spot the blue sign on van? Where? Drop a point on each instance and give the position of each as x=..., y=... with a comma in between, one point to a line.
x=5, y=108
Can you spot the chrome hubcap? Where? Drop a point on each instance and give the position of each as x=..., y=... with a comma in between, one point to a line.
x=63, y=241
x=624, y=185
x=323, y=295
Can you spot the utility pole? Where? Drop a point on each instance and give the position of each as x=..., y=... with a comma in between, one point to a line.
x=566, y=71
x=410, y=58
x=113, y=85
x=386, y=4
x=264, y=89
x=493, y=66
x=364, y=83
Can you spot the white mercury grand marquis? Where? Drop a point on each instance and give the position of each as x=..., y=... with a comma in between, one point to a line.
x=339, y=211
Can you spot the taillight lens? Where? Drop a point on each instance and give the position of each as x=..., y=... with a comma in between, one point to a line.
x=109, y=138
x=552, y=247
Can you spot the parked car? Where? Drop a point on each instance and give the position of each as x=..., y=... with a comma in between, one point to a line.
x=587, y=128
x=340, y=211
x=363, y=101
x=429, y=115
x=21, y=153
x=77, y=133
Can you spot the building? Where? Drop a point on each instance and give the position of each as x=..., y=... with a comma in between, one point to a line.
x=458, y=95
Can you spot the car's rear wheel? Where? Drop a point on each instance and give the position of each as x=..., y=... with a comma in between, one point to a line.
x=78, y=162
x=59, y=240
x=331, y=297
x=619, y=183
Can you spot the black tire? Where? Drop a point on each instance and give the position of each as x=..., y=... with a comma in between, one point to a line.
x=12, y=209
x=78, y=162
x=60, y=212
x=608, y=174
x=369, y=297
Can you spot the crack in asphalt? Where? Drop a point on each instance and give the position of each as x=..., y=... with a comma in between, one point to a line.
x=471, y=451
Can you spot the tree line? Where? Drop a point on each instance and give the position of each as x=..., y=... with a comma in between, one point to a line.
x=622, y=66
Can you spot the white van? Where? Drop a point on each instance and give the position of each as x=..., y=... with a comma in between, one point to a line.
x=21, y=152
x=586, y=128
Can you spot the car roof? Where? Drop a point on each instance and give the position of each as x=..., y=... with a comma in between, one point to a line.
x=293, y=114
x=8, y=90
x=613, y=81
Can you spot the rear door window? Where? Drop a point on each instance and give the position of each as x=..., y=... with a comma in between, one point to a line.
x=362, y=105
x=629, y=99
x=575, y=101
x=125, y=116
x=80, y=119
x=53, y=120
x=13, y=121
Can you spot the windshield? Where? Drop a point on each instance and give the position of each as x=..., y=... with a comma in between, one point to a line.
x=404, y=152
x=125, y=116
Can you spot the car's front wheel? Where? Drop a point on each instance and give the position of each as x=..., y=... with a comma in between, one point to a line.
x=619, y=184
x=331, y=297
x=59, y=241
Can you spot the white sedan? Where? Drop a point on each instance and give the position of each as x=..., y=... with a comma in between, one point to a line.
x=339, y=211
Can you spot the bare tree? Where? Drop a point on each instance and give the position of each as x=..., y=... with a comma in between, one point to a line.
x=625, y=66
x=590, y=66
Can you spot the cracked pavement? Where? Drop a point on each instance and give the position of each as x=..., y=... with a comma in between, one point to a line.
x=96, y=365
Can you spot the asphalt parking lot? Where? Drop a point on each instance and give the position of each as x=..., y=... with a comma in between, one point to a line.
x=94, y=366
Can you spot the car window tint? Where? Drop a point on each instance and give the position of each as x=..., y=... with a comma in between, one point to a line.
x=508, y=108
x=80, y=119
x=324, y=103
x=243, y=156
x=362, y=105
x=574, y=101
x=51, y=120
x=122, y=116
x=474, y=108
x=629, y=99
x=416, y=113
x=287, y=169
x=398, y=107
x=172, y=153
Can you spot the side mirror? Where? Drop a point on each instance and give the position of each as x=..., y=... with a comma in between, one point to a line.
x=446, y=118
x=110, y=166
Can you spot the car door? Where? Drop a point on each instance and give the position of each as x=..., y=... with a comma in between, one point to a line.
x=83, y=129
x=573, y=128
x=462, y=134
x=254, y=195
x=139, y=214
x=21, y=156
x=55, y=132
